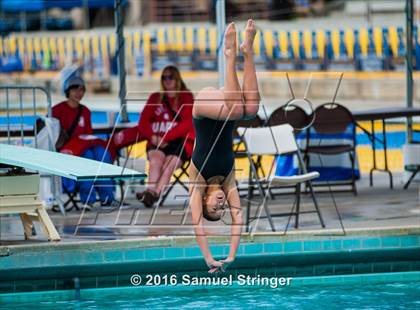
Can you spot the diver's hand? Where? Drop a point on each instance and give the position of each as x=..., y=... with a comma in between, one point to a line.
x=226, y=263
x=214, y=265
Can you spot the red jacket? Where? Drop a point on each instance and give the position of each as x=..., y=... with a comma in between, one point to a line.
x=66, y=115
x=158, y=119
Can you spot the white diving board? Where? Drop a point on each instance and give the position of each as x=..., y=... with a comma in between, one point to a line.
x=69, y=166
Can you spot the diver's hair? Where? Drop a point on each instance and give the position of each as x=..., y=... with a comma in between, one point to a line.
x=209, y=217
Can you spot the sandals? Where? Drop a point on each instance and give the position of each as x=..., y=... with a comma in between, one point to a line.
x=148, y=198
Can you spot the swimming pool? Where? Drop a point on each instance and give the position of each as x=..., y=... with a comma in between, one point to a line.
x=365, y=269
x=111, y=263
x=353, y=292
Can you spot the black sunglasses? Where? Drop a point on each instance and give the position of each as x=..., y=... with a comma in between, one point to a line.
x=168, y=77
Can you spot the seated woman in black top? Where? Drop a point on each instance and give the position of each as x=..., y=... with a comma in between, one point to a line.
x=212, y=172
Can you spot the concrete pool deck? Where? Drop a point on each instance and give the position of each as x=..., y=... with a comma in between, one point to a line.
x=374, y=209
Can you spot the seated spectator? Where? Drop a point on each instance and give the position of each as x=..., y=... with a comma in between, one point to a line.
x=75, y=119
x=166, y=124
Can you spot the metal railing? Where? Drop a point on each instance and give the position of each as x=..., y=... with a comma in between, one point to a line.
x=20, y=108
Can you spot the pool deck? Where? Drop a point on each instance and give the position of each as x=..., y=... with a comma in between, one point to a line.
x=376, y=210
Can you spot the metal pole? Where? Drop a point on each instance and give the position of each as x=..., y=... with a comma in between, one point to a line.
x=221, y=24
x=43, y=20
x=23, y=20
x=409, y=63
x=368, y=13
x=86, y=12
x=120, y=51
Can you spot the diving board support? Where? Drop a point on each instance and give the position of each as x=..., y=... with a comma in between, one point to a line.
x=19, y=195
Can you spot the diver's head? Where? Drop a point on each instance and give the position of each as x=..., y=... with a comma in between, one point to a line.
x=214, y=203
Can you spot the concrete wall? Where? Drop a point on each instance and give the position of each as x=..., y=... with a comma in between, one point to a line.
x=386, y=88
x=353, y=87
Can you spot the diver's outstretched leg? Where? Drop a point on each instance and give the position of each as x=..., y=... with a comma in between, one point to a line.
x=227, y=102
x=250, y=84
x=232, y=89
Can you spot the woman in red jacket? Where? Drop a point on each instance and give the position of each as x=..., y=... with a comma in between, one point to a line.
x=166, y=123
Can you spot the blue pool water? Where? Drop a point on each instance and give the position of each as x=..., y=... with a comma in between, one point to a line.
x=354, y=296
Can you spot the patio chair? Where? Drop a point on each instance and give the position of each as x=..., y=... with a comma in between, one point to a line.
x=333, y=119
x=292, y=114
x=411, y=153
x=134, y=163
x=240, y=151
x=178, y=175
x=72, y=200
x=245, y=123
x=277, y=140
x=289, y=114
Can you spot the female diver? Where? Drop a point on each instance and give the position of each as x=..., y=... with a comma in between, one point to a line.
x=212, y=175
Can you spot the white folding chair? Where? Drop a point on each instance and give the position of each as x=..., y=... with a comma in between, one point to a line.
x=277, y=140
x=411, y=153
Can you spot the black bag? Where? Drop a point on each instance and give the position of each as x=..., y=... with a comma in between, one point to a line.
x=65, y=135
x=62, y=139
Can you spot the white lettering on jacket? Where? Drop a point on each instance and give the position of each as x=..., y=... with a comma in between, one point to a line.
x=163, y=127
x=81, y=122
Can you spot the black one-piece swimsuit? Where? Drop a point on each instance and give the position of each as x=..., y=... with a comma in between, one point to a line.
x=213, y=152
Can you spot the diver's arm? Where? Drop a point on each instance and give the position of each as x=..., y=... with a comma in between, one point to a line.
x=197, y=219
x=234, y=202
x=196, y=204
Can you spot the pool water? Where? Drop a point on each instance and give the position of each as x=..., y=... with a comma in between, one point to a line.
x=350, y=296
